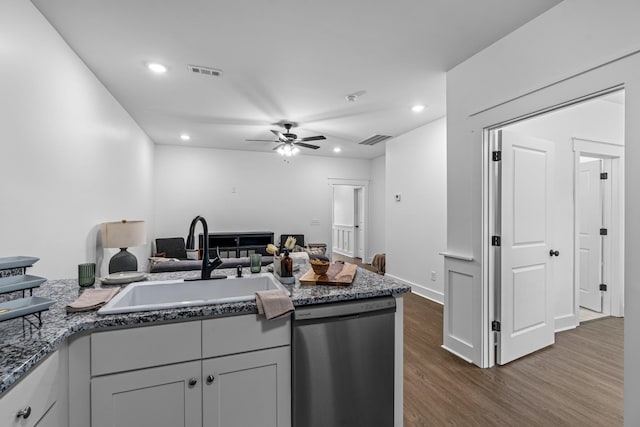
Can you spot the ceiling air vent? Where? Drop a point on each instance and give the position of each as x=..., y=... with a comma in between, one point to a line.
x=205, y=71
x=375, y=139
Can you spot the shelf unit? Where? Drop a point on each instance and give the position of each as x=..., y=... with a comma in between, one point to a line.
x=13, y=278
x=238, y=245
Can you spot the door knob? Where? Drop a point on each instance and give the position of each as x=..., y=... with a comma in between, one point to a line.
x=193, y=382
x=554, y=253
x=210, y=379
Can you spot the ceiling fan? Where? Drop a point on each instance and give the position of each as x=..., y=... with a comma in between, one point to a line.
x=289, y=142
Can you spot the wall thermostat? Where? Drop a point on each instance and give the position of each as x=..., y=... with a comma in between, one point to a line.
x=397, y=197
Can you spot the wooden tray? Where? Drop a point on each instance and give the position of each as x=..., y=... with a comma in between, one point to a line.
x=339, y=274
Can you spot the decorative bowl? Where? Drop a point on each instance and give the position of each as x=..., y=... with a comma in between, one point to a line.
x=320, y=267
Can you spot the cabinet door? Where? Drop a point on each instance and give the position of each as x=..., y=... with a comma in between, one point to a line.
x=154, y=397
x=249, y=389
x=40, y=396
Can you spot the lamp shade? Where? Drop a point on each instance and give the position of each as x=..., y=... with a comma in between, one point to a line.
x=123, y=234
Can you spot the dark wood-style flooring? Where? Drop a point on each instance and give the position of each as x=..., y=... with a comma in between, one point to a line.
x=576, y=382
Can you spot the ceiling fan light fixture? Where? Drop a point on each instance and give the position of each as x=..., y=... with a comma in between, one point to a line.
x=288, y=150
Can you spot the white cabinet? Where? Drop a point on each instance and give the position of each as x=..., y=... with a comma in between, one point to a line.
x=40, y=398
x=226, y=372
x=249, y=389
x=164, y=396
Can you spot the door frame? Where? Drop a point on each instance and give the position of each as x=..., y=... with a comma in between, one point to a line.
x=358, y=208
x=490, y=205
x=613, y=301
x=364, y=184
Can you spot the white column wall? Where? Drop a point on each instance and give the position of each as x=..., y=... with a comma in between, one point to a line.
x=415, y=225
x=72, y=157
x=561, y=55
x=377, y=209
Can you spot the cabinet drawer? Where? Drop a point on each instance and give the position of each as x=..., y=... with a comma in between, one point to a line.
x=237, y=334
x=135, y=348
x=37, y=391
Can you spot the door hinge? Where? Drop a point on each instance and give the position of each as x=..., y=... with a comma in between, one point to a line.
x=495, y=326
x=603, y=231
x=604, y=175
x=496, y=156
x=603, y=287
x=495, y=240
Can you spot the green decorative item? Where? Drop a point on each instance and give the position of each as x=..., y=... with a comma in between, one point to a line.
x=87, y=274
x=255, y=263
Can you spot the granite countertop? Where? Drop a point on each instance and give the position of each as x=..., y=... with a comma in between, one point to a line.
x=22, y=346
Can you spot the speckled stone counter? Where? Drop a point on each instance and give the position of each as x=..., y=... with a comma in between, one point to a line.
x=22, y=346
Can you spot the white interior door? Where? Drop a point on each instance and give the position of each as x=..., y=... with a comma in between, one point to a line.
x=590, y=220
x=359, y=222
x=525, y=292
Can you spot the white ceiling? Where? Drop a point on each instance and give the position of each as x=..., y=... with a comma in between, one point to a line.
x=283, y=60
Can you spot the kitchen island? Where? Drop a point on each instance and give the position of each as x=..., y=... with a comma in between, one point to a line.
x=23, y=347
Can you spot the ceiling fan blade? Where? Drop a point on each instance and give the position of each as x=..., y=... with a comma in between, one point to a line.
x=313, y=138
x=278, y=147
x=280, y=136
x=302, y=144
x=261, y=140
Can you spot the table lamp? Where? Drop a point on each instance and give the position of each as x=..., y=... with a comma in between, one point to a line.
x=123, y=234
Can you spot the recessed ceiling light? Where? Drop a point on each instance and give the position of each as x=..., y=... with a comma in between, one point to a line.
x=417, y=108
x=185, y=137
x=337, y=150
x=156, y=68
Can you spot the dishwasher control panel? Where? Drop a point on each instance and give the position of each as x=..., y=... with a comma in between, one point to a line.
x=347, y=308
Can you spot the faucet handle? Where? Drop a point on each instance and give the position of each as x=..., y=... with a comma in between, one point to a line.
x=239, y=271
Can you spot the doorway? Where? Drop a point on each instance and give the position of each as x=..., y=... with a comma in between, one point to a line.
x=534, y=224
x=349, y=218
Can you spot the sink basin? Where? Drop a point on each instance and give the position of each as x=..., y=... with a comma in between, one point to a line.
x=159, y=295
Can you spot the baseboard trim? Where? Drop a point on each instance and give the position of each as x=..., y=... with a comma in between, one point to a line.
x=466, y=359
x=564, y=323
x=339, y=252
x=420, y=290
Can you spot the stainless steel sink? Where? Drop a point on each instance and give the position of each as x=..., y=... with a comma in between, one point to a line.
x=159, y=295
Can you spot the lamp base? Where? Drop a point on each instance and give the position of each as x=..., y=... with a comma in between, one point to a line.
x=123, y=261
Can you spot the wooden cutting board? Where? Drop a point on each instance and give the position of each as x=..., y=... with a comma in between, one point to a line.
x=339, y=274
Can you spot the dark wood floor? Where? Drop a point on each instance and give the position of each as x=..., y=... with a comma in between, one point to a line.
x=576, y=382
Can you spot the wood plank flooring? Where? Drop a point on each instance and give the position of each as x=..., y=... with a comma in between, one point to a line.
x=576, y=382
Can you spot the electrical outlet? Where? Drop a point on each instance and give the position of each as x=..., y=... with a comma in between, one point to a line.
x=434, y=276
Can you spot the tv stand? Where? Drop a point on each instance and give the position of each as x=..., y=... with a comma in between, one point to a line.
x=238, y=244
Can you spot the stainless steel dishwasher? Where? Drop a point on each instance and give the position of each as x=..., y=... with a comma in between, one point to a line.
x=343, y=364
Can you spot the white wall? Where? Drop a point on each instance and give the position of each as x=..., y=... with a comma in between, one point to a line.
x=343, y=205
x=546, y=62
x=595, y=120
x=270, y=195
x=72, y=157
x=416, y=225
x=377, y=208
